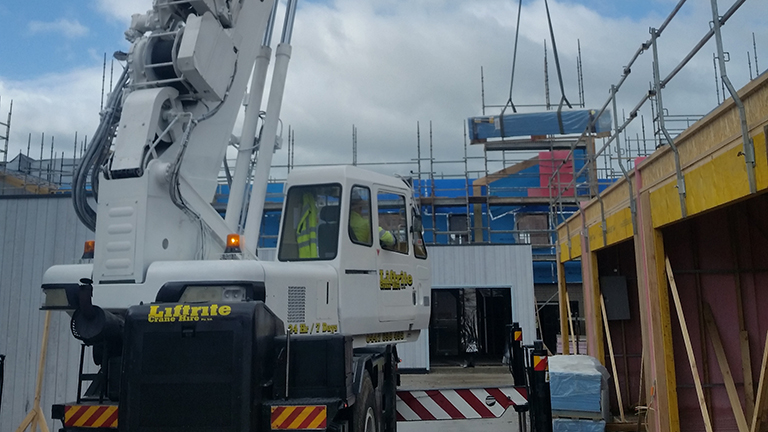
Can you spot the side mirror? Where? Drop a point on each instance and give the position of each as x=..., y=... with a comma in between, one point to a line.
x=416, y=226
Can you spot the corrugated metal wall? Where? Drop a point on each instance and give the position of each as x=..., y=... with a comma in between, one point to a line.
x=415, y=355
x=480, y=266
x=35, y=233
x=490, y=266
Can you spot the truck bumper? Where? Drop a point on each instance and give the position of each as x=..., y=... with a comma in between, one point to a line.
x=301, y=414
x=92, y=417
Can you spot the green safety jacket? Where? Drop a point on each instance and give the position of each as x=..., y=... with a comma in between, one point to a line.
x=361, y=229
x=306, y=230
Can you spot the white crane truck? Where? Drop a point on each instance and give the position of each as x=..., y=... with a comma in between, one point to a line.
x=188, y=329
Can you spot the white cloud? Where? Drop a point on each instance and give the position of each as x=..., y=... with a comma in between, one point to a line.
x=123, y=9
x=384, y=69
x=58, y=105
x=68, y=28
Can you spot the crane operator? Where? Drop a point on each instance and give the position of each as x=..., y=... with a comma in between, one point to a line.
x=360, y=222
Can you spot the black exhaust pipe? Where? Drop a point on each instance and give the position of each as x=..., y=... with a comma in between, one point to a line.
x=92, y=324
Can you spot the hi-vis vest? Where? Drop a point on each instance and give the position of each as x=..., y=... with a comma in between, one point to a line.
x=306, y=231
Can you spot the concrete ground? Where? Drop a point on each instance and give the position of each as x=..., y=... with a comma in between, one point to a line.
x=457, y=378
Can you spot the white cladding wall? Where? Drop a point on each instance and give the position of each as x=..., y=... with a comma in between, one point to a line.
x=415, y=355
x=35, y=233
x=480, y=266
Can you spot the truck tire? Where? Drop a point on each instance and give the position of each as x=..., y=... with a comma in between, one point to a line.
x=364, y=416
x=389, y=396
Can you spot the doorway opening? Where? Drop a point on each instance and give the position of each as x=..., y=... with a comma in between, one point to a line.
x=469, y=325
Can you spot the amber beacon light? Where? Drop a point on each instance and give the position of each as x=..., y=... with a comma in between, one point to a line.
x=88, y=249
x=233, y=244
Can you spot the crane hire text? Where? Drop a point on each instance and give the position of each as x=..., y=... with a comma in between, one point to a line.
x=183, y=313
x=391, y=280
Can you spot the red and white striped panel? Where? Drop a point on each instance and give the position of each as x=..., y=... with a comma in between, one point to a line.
x=416, y=405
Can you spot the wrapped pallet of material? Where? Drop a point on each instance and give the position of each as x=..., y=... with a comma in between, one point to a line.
x=539, y=123
x=577, y=425
x=579, y=386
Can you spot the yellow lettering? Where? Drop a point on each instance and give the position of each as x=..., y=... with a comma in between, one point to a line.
x=154, y=314
x=177, y=311
x=225, y=310
x=195, y=310
x=213, y=310
x=204, y=310
x=185, y=310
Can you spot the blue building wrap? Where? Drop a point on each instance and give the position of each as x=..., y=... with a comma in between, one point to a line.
x=539, y=123
x=436, y=219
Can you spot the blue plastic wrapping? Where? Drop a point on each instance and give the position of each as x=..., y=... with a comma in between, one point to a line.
x=540, y=123
x=571, y=425
x=576, y=383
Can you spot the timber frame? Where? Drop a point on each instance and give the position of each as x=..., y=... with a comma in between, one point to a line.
x=712, y=162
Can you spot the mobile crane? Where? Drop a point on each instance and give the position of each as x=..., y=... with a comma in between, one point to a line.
x=188, y=329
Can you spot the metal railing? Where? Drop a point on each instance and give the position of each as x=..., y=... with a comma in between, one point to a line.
x=663, y=135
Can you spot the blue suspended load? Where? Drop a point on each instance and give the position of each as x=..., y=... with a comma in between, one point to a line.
x=540, y=123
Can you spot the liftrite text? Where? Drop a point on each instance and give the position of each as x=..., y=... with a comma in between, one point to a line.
x=186, y=313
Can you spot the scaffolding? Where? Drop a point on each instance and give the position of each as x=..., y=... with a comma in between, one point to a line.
x=24, y=175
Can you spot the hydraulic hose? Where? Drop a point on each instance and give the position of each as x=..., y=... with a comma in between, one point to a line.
x=96, y=154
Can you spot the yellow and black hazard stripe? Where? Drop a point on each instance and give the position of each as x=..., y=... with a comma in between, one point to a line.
x=90, y=416
x=299, y=417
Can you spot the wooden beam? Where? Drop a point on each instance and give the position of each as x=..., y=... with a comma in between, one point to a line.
x=656, y=323
x=613, y=360
x=725, y=370
x=575, y=339
x=36, y=418
x=512, y=169
x=565, y=307
x=760, y=415
x=689, y=348
x=591, y=290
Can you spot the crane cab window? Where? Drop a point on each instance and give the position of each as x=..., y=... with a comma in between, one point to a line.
x=417, y=229
x=310, y=223
x=360, y=216
x=393, y=222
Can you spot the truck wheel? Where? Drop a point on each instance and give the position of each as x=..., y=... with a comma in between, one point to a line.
x=364, y=418
x=390, y=398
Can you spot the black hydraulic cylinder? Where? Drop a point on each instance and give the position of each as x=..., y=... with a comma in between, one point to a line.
x=539, y=397
x=517, y=354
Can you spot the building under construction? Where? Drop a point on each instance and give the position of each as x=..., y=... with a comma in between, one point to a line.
x=649, y=263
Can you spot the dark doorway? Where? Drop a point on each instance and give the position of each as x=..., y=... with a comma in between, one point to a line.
x=444, y=325
x=549, y=322
x=476, y=316
x=495, y=312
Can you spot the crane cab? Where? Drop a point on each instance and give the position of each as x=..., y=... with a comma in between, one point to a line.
x=367, y=227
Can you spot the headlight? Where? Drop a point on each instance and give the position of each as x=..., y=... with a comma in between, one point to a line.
x=217, y=293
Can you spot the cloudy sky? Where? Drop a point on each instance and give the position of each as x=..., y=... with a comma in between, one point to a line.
x=384, y=66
